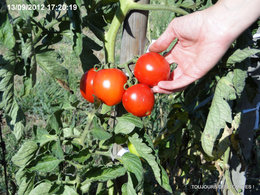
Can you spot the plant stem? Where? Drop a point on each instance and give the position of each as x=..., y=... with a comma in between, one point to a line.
x=122, y=11
x=110, y=36
x=103, y=153
x=227, y=173
x=138, y=6
x=85, y=132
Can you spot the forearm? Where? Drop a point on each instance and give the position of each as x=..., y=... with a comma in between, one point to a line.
x=235, y=16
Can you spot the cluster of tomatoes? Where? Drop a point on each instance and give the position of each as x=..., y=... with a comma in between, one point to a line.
x=108, y=85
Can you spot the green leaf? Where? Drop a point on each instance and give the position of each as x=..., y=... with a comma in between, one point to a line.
x=127, y=123
x=188, y=4
x=68, y=190
x=6, y=31
x=133, y=164
x=83, y=48
x=130, y=187
x=13, y=113
x=240, y=55
x=239, y=80
x=104, y=173
x=99, y=132
x=228, y=88
x=41, y=189
x=18, y=130
x=47, y=60
x=26, y=185
x=43, y=136
x=46, y=163
x=147, y=153
x=57, y=150
x=81, y=156
x=25, y=153
x=55, y=120
x=165, y=180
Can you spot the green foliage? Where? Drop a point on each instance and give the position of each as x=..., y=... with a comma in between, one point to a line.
x=68, y=146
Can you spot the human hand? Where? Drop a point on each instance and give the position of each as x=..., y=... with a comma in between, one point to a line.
x=201, y=43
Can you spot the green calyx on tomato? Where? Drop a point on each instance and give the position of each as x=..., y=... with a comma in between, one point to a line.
x=109, y=84
x=138, y=100
x=86, y=85
x=132, y=149
x=151, y=68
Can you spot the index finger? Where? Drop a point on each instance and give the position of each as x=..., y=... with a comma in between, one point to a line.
x=164, y=41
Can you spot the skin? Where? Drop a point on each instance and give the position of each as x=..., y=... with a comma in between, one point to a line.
x=203, y=38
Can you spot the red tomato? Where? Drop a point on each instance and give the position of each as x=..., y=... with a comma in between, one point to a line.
x=86, y=85
x=138, y=100
x=151, y=68
x=109, y=86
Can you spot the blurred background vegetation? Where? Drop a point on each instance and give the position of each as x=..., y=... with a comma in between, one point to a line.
x=47, y=97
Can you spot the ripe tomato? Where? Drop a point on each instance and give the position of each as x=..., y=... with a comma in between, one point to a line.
x=151, y=68
x=138, y=100
x=86, y=85
x=109, y=85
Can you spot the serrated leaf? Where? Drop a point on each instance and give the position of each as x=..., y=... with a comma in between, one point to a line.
x=55, y=120
x=81, y=156
x=24, y=180
x=25, y=153
x=6, y=31
x=228, y=88
x=46, y=163
x=26, y=185
x=57, y=150
x=165, y=180
x=130, y=187
x=43, y=136
x=41, y=189
x=240, y=55
x=127, y=123
x=20, y=174
x=83, y=48
x=133, y=164
x=147, y=153
x=99, y=132
x=239, y=80
x=47, y=60
x=13, y=113
x=104, y=173
x=68, y=190
x=188, y=4
x=18, y=130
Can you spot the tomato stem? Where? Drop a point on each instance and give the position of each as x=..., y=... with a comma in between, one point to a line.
x=86, y=129
x=110, y=35
x=122, y=11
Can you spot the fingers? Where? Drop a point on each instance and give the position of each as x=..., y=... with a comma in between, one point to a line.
x=157, y=89
x=164, y=41
x=177, y=84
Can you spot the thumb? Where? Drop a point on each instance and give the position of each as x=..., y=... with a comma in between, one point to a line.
x=180, y=83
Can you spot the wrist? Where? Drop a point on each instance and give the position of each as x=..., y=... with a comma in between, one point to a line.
x=232, y=17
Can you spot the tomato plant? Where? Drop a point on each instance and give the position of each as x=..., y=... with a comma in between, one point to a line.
x=109, y=85
x=86, y=85
x=138, y=100
x=54, y=142
x=151, y=68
